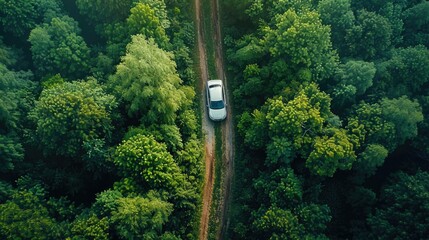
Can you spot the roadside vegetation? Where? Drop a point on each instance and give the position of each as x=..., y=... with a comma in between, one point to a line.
x=99, y=129
x=331, y=98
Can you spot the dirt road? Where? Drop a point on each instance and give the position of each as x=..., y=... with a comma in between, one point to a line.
x=208, y=129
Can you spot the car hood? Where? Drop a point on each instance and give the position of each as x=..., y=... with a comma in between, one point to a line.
x=217, y=114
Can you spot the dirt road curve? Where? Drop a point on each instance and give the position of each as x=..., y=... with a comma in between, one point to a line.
x=227, y=128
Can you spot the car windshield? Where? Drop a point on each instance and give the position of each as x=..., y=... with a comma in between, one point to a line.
x=217, y=105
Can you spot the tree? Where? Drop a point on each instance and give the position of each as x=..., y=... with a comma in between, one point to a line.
x=370, y=37
x=277, y=223
x=143, y=20
x=102, y=11
x=416, y=22
x=406, y=72
x=339, y=15
x=403, y=208
x=358, y=74
x=16, y=99
x=141, y=218
x=19, y=17
x=369, y=160
x=404, y=114
x=25, y=216
x=282, y=188
x=354, y=78
x=331, y=152
x=147, y=81
x=90, y=227
x=304, y=40
x=148, y=162
x=369, y=126
x=57, y=47
x=69, y=114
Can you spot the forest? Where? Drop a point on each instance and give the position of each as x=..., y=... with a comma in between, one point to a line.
x=100, y=135
x=332, y=112
x=100, y=119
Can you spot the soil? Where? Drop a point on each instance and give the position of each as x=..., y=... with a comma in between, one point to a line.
x=208, y=129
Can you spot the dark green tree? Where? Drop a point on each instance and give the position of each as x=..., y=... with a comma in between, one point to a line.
x=403, y=208
x=304, y=41
x=57, y=47
x=370, y=37
x=69, y=114
x=19, y=17
x=339, y=15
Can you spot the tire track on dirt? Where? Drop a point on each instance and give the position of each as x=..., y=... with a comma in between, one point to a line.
x=208, y=129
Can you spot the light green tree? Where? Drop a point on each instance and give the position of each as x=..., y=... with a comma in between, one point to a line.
x=146, y=79
x=141, y=218
x=331, y=152
x=404, y=114
x=148, y=162
x=143, y=20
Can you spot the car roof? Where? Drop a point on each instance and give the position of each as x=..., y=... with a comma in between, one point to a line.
x=214, y=82
x=215, y=92
x=215, y=89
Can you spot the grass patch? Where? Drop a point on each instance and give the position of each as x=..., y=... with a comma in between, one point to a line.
x=208, y=29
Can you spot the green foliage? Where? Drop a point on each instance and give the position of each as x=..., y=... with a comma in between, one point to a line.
x=107, y=202
x=16, y=99
x=190, y=161
x=307, y=223
x=370, y=37
x=68, y=115
x=354, y=78
x=369, y=126
x=416, y=22
x=147, y=161
x=277, y=223
x=406, y=72
x=279, y=152
x=282, y=187
x=57, y=47
x=304, y=40
x=19, y=17
x=25, y=216
x=331, y=152
x=254, y=127
x=102, y=11
x=404, y=114
x=359, y=74
x=141, y=218
x=147, y=81
x=11, y=152
x=313, y=218
x=370, y=159
x=90, y=227
x=143, y=20
x=403, y=209
x=339, y=15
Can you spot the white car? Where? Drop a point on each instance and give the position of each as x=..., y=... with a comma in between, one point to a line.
x=216, y=101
